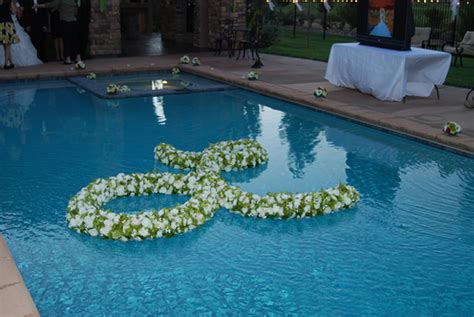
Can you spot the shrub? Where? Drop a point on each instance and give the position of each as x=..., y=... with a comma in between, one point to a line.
x=268, y=37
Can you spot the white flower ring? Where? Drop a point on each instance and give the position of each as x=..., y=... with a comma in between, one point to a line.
x=222, y=156
x=85, y=213
x=207, y=189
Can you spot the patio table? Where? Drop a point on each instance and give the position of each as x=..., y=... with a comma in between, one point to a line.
x=387, y=74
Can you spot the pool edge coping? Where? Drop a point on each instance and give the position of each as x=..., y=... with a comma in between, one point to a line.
x=15, y=298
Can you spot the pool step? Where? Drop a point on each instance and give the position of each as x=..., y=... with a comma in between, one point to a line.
x=99, y=87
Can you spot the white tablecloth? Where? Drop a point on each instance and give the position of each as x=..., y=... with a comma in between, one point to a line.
x=387, y=74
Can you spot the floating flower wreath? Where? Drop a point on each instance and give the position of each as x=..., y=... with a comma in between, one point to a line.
x=91, y=76
x=196, y=61
x=252, y=76
x=207, y=189
x=80, y=65
x=452, y=128
x=321, y=92
x=185, y=59
x=175, y=71
x=114, y=89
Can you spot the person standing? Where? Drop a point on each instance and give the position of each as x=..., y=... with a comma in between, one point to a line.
x=35, y=23
x=84, y=18
x=68, y=10
x=8, y=34
x=56, y=33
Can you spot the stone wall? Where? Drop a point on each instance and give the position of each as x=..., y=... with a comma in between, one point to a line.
x=210, y=19
x=173, y=21
x=104, y=29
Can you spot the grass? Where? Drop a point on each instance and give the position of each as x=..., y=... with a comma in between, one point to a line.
x=319, y=50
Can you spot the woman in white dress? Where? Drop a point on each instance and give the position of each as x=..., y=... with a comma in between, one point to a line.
x=23, y=53
x=381, y=29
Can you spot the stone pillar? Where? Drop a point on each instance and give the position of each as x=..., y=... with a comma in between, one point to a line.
x=104, y=29
x=223, y=12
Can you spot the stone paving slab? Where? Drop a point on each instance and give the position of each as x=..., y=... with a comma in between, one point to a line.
x=15, y=300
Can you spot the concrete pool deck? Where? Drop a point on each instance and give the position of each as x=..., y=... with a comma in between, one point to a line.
x=15, y=300
x=288, y=78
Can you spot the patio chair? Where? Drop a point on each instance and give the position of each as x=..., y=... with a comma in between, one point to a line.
x=421, y=38
x=248, y=42
x=225, y=35
x=469, y=102
x=463, y=49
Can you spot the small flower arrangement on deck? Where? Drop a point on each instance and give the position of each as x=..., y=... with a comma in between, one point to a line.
x=321, y=92
x=196, y=61
x=91, y=76
x=80, y=65
x=452, y=128
x=184, y=59
x=252, y=76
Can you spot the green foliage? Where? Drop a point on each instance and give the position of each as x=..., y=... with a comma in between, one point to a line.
x=343, y=14
x=435, y=18
x=466, y=19
x=268, y=36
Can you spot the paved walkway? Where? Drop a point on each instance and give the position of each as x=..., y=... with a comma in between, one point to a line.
x=15, y=300
x=295, y=79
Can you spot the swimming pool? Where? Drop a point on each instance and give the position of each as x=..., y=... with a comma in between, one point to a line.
x=406, y=249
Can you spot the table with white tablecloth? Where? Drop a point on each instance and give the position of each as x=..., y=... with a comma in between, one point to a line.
x=387, y=74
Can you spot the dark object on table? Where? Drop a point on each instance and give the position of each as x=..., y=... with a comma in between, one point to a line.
x=388, y=24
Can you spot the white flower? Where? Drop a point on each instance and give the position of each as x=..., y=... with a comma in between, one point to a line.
x=93, y=232
x=135, y=221
x=184, y=59
x=146, y=223
x=89, y=222
x=143, y=232
x=105, y=231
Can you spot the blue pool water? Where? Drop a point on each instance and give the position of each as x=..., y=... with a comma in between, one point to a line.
x=406, y=249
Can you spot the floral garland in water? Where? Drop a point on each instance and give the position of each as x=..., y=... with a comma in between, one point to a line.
x=113, y=89
x=91, y=76
x=175, y=71
x=207, y=189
